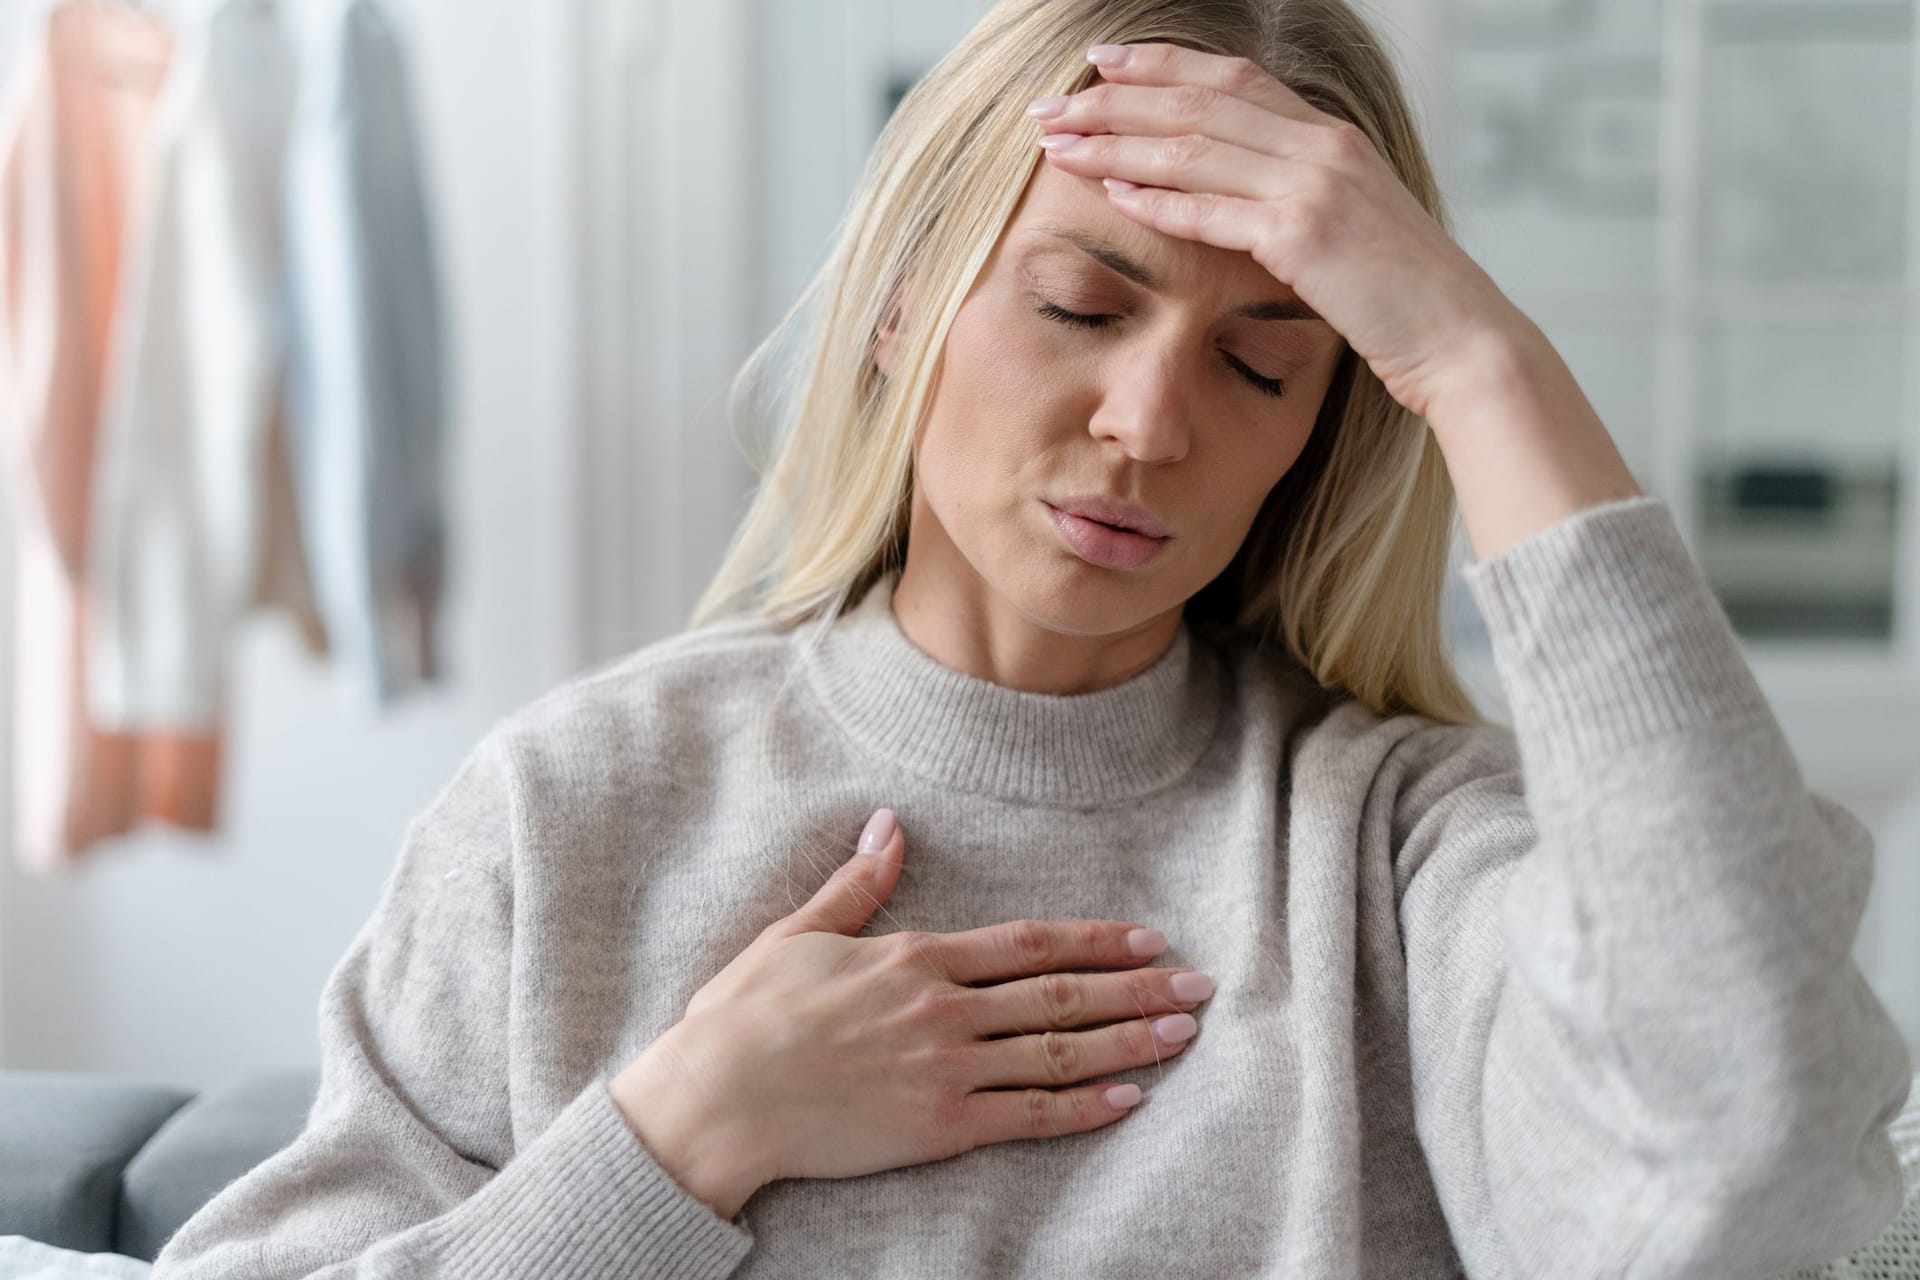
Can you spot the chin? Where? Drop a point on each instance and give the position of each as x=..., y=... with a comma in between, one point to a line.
x=1067, y=595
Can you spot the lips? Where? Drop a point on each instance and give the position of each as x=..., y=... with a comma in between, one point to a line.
x=1113, y=513
x=1103, y=544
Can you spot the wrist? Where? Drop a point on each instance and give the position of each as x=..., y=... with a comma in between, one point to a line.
x=1522, y=443
x=666, y=1111
x=1498, y=364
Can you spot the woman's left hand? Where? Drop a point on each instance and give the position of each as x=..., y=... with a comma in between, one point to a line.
x=1223, y=153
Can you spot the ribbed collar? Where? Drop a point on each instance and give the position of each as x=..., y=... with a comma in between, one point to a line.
x=977, y=736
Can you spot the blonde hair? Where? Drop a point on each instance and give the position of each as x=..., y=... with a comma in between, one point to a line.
x=1345, y=564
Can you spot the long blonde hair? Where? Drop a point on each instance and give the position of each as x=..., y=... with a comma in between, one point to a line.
x=1345, y=564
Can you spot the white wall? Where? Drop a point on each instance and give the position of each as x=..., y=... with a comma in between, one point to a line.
x=193, y=959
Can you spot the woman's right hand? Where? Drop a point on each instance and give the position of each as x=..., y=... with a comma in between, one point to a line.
x=819, y=1054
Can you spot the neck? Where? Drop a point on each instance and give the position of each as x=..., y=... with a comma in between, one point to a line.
x=924, y=717
x=953, y=615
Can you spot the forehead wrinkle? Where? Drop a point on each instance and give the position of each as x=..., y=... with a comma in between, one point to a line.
x=1115, y=259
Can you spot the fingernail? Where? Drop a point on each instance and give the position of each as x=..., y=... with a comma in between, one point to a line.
x=1175, y=1027
x=1122, y=1096
x=1108, y=55
x=1146, y=942
x=1043, y=107
x=1120, y=186
x=1059, y=141
x=1191, y=986
x=878, y=831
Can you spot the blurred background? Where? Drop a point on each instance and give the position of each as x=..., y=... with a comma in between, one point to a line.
x=396, y=336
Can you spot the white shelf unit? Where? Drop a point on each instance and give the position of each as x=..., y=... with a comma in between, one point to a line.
x=1677, y=296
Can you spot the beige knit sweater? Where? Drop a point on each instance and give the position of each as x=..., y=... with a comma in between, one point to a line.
x=1574, y=999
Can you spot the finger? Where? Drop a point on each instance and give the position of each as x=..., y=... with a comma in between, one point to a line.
x=1058, y=1001
x=1003, y=1115
x=1227, y=221
x=1159, y=111
x=1067, y=1057
x=1190, y=162
x=1170, y=64
x=1022, y=948
x=856, y=888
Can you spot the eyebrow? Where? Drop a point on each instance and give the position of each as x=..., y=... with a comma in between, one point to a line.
x=1110, y=256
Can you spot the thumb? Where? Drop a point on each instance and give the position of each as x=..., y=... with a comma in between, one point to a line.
x=859, y=885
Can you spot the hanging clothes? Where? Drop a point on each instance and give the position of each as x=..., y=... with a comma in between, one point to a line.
x=365, y=361
x=72, y=134
x=191, y=526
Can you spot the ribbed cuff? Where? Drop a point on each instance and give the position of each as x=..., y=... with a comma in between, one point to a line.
x=587, y=1198
x=1606, y=632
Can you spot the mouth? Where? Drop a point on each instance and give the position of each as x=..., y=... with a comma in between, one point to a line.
x=1104, y=545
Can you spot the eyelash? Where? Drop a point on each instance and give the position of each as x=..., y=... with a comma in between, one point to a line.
x=1268, y=386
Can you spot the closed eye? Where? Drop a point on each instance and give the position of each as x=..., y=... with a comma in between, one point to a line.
x=1270, y=386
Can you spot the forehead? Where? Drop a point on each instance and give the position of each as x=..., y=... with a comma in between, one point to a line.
x=1055, y=201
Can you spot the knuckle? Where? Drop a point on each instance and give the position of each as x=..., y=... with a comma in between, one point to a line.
x=1137, y=1039
x=1244, y=73
x=1079, y=1109
x=1347, y=140
x=1032, y=944
x=907, y=943
x=1206, y=209
x=947, y=1006
x=1063, y=999
x=1184, y=150
x=1322, y=189
x=1287, y=218
x=914, y=953
x=1039, y=1111
x=954, y=1065
x=1192, y=103
x=1060, y=1055
x=950, y=1113
x=1307, y=215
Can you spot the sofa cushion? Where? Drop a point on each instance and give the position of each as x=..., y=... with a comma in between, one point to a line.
x=206, y=1144
x=70, y=1136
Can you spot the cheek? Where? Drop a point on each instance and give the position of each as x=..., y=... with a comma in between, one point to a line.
x=1262, y=456
x=996, y=390
x=1003, y=356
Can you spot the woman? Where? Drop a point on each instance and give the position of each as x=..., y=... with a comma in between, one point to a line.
x=1572, y=999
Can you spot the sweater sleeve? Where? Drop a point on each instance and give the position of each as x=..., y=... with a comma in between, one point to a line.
x=406, y=1166
x=1640, y=1045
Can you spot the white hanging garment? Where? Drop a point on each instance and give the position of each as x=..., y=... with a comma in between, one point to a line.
x=183, y=484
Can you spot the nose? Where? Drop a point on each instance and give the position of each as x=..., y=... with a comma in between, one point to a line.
x=1144, y=404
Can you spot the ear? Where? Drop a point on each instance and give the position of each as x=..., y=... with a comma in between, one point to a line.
x=887, y=340
x=886, y=343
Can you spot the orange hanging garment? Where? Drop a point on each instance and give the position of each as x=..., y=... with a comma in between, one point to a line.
x=72, y=141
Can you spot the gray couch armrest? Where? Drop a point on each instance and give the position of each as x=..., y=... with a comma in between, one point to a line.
x=203, y=1146
x=68, y=1139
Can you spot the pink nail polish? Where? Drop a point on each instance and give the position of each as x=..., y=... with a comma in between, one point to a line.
x=879, y=830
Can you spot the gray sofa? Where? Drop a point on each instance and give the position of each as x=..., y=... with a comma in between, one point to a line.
x=104, y=1164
